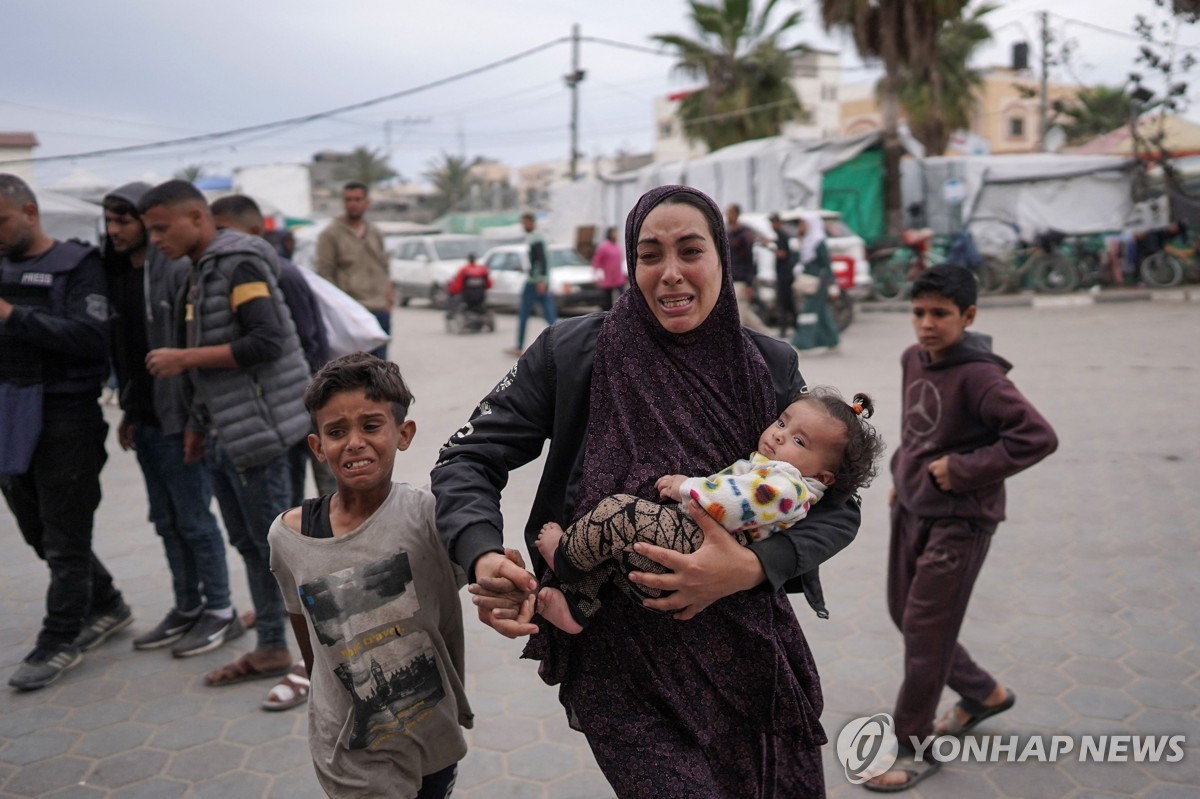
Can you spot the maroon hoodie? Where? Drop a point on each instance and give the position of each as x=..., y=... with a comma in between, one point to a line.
x=964, y=405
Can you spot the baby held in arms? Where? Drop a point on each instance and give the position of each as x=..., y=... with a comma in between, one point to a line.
x=819, y=446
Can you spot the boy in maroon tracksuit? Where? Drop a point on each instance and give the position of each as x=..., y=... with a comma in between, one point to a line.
x=965, y=428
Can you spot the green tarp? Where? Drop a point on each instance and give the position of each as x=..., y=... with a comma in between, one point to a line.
x=855, y=189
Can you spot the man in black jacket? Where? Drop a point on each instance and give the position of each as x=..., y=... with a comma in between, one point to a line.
x=143, y=286
x=53, y=327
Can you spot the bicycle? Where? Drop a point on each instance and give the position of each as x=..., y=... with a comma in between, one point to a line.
x=1167, y=264
x=895, y=266
x=1044, y=264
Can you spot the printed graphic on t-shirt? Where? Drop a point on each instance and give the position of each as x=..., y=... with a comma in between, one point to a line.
x=387, y=666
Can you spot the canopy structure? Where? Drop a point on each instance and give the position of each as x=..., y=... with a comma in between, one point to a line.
x=1034, y=192
x=762, y=176
x=1179, y=138
x=64, y=217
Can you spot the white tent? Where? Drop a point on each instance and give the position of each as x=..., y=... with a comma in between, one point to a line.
x=762, y=175
x=64, y=217
x=1075, y=194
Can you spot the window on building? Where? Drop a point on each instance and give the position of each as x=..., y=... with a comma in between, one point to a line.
x=828, y=92
x=666, y=129
x=1016, y=127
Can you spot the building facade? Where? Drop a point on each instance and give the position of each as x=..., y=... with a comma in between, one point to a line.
x=1006, y=119
x=816, y=78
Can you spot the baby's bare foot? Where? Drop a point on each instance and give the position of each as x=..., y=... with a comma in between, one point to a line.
x=552, y=606
x=547, y=541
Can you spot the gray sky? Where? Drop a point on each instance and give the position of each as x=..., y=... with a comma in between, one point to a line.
x=87, y=75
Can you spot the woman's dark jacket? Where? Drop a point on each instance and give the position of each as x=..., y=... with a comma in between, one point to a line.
x=545, y=396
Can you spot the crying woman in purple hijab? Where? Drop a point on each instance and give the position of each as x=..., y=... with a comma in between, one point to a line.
x=707, y=690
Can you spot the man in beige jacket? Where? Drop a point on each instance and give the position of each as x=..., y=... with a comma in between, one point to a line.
x=350, y=255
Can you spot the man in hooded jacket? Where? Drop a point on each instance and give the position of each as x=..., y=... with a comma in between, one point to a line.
x=142, y=286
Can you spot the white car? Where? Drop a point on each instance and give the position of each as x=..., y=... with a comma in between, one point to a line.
x=572, y=278
x=422, y=266
x=839, y=240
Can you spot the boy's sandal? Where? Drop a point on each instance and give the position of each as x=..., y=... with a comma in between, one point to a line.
x=914, y=773
x=289, y=692
x=949, y=724
x=242, y=670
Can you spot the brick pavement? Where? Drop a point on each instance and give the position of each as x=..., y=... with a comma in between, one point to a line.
x=1089, y=606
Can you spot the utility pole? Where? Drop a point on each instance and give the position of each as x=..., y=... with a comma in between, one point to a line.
x=1044, y=104
x=573, y=80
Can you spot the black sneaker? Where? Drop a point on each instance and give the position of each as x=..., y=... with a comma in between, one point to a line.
x=167, y=631
x=97, y=629
x=43, y=666
x=208, y=633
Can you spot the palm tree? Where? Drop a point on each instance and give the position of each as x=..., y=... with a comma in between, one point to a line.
x=932, y=122
x=191, y=173
x=1098, y=110
x=901, y=34
x=451, y=179
x=746, y=68
x=367, y=166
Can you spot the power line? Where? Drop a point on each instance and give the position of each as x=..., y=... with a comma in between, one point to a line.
x=1115, y=32
x=660, y=52
x=294, y=121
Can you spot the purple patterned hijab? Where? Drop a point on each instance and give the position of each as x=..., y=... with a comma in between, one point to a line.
x=663, y=403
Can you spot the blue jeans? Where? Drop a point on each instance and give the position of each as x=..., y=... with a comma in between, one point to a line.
x=385, y=321
x=180, y=496
x=529, y=298
x=250, y=500
x=54, y=504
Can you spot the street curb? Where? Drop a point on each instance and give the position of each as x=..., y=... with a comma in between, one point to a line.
x=1190, y=294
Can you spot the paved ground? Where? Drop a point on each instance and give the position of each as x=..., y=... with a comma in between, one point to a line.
x=1089, y=606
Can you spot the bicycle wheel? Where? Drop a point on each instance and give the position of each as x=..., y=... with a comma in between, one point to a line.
x=1054, y=273
x=1162, y=270
x=889, y=280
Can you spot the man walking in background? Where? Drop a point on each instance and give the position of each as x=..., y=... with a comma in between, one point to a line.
x=741, y=265
x=350, y=255
x=143, y=287
x=53, y=360
x=244, y=360
x=537, y=283
x=242, y=214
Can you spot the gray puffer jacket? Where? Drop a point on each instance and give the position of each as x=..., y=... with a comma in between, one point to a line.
x=257, y=412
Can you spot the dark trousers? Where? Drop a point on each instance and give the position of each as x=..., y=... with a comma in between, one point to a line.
x=180, y=496
x=932, y=569
x=439, y=784
x=299, y=457
x=785, y=302
x=54, y=503
x=385, y=321
x=250, y=499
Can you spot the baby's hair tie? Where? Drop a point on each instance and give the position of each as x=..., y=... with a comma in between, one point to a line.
x=858, y=409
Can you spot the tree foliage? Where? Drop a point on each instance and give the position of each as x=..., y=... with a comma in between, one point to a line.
x=365, y=165
x=192, y=172
x=451, y=180
x=932, y=121
x=903, y=35
x=746, y=69
x=1097, y=110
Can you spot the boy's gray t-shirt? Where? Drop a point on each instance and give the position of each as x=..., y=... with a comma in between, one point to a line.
x=387, y=703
